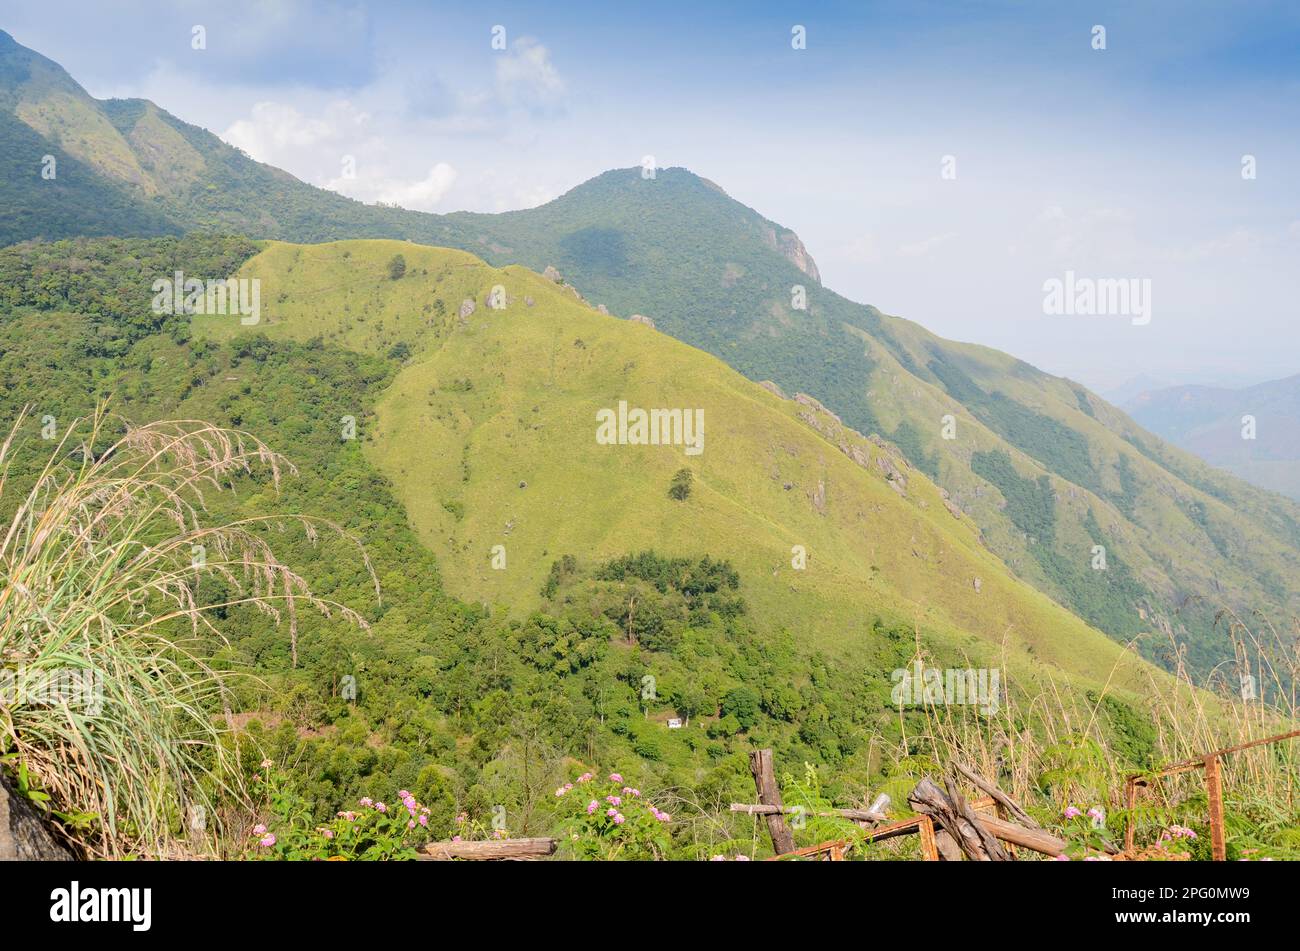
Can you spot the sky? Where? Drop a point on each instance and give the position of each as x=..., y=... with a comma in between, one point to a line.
x=942, y=161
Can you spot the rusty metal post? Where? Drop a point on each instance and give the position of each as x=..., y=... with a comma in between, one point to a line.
x=1214, y=791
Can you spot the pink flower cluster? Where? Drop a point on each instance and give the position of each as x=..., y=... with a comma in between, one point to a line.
x=614, y=800
x=1177, y=832
x=1095, y=813
x=418, y=813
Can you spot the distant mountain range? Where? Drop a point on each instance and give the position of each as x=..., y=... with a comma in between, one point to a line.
x=1047, y=469
x=1253, y=432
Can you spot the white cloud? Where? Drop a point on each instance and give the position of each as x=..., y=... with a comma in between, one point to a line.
x=278, y=133
x=527, y=78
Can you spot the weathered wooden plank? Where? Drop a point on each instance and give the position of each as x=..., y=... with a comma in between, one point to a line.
x=489, y=850
x=951, y=812
x=769, y=794
x=857, y=815
x=998, y=796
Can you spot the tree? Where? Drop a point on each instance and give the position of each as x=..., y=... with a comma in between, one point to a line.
x=396, y=267
x=680, y=489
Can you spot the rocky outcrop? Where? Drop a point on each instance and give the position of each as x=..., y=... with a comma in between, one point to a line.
x=772, y=388
x=792, y=249
x=603, y=309
x=806, y=400
x=467, y=307
x=551, y=274
x=642, y=319
x=24, y=836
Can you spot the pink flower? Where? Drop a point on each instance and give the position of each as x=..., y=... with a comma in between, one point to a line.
x=423, y=820
x=455, y=838
x=380, y=807
x=611, y=812
x=267, y=840
x=259, y=829
x=718, y=858
x=592, y=807
x=404, y=795
x=1072, y=813
x=585, y=778
x=460, y=819
x=267, y=764
x=1096, y=813
x=410, y=824
x=614, y=800
x=1061, y=858
x=561, y=791
x=615, y=778
x=329, y=833
x=664, y=817
x=742, y=858
x=365, y=801
x=619, y=820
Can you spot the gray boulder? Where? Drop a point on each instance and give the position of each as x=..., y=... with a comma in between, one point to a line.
x=24, y=837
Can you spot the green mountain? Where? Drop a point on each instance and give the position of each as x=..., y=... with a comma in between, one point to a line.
x=1051, y=473
x=489, y=434
x=1252, y=432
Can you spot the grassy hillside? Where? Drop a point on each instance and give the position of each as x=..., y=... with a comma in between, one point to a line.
x=488, y=434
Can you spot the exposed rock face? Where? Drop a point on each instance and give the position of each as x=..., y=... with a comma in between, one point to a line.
x=467, y=307
x=978, y=584
x=792, y=249
x=603, y=309
x=551, y=274
x=806, y=400
x=772, y=388
x=23, y=835
x=642, y=319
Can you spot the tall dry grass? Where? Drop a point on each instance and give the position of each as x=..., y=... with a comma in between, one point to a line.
x=1049, y=747
x=99, y=565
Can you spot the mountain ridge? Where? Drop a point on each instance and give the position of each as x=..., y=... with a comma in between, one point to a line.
x=1048, y=470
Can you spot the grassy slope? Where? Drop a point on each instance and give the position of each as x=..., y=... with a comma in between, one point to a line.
x=528, y=415
x=710, y=272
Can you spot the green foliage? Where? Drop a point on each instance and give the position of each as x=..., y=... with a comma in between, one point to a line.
x=680, y=487
x=608, y=819
x=376, y=832
x=396, y=267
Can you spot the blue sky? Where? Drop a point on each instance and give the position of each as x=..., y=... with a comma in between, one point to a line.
x=1121, y=163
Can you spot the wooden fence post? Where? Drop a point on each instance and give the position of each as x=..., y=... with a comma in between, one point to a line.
x=1214, y=792
x=769, y=794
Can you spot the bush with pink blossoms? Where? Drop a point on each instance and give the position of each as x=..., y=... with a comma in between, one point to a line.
x=1085, y=832
x=373, y=831
x=610, y=819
